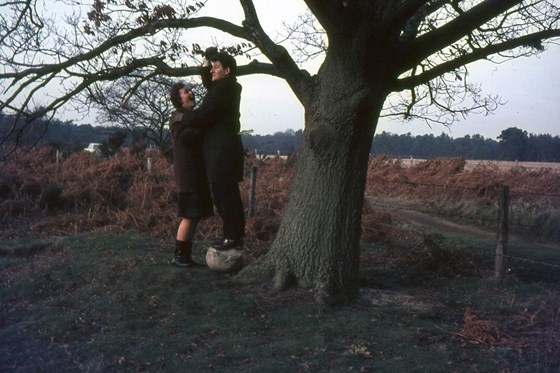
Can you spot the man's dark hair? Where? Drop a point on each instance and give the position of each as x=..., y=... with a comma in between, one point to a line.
x=176, y=97
x=226, y=60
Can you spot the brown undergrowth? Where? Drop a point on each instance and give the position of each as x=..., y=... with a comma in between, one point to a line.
x=83, y=193
x=444, y=186
x=429, y=178
x=40, y=197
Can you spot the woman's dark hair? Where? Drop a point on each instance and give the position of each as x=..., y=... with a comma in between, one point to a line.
x=227, y=61
x=176, y=97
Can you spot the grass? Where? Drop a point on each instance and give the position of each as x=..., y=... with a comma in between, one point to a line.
x=109, y=302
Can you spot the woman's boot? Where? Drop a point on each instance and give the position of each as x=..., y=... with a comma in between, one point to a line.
x=183, y=255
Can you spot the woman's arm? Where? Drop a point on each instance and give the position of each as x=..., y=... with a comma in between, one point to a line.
x=182, y=132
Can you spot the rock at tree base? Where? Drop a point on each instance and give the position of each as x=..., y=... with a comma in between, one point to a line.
x=229, y=261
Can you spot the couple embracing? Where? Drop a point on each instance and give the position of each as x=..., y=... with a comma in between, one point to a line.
x=208, y=155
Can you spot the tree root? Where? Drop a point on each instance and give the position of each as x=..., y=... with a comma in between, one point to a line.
x=258, y=272
x=270, y=268
x=283, y=280
x=327, y=294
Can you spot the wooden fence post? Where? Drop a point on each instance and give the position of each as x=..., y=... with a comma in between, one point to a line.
x=502, y=239
x=253, y=191
x=149, y=165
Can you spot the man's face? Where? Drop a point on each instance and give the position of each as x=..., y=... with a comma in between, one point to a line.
x=186, y=98
x=218, y=71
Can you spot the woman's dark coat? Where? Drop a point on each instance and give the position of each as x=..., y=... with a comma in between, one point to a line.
x=218, y=115
x=189, y=170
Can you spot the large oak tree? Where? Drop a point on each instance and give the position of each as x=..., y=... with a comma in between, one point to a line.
x=413, y=51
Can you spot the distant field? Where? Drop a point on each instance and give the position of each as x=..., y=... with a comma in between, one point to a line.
x=503, y=165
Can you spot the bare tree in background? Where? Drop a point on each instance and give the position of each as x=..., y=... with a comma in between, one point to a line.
x=145, y=110
x=414, y=52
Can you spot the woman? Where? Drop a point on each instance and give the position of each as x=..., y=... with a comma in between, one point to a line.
x=193, y=194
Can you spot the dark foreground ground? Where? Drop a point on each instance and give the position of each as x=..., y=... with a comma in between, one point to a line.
x=110, y=302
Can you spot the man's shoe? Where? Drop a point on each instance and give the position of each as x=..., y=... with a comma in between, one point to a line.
x=216, y=241
x=228, y=244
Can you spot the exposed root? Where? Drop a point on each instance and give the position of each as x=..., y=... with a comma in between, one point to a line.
x=327, y=294
x=258, y=272
x=283, y=280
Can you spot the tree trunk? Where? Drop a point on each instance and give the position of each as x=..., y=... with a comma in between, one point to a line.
x=317, y=245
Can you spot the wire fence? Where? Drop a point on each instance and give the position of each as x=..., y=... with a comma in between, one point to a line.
x=518, y=219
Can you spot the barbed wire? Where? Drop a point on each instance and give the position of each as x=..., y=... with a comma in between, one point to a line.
x=531, y=261
x=433, y=185
x=535, y=194
x=492, y=187
x=431, y=212
x=393, y=207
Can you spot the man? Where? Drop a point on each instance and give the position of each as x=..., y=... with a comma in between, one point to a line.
x=218, y=115
x=193, y=194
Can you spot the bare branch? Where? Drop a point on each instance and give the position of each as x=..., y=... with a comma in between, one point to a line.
x=465, y=23
x=277, y=54
x=480, y=54
x=453, y=34
x=309, y=39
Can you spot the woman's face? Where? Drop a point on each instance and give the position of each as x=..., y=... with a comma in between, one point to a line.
x=187, y=101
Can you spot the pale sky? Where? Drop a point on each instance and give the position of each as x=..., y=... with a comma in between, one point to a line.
x=530, y=86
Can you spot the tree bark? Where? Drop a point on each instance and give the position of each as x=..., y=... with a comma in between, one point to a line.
x=317, y=245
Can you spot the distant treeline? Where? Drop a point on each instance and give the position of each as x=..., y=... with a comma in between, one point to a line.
x=65, y=136
x=512, y=144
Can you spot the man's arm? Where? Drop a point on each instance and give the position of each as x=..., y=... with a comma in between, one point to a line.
x=206, y=77
x=220, y=101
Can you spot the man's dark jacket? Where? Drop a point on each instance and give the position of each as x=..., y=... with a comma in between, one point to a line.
x=218, y=115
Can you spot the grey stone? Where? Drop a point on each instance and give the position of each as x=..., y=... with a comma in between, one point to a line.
x=229, y=261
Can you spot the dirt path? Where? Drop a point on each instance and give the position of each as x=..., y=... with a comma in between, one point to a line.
x=428, y=221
